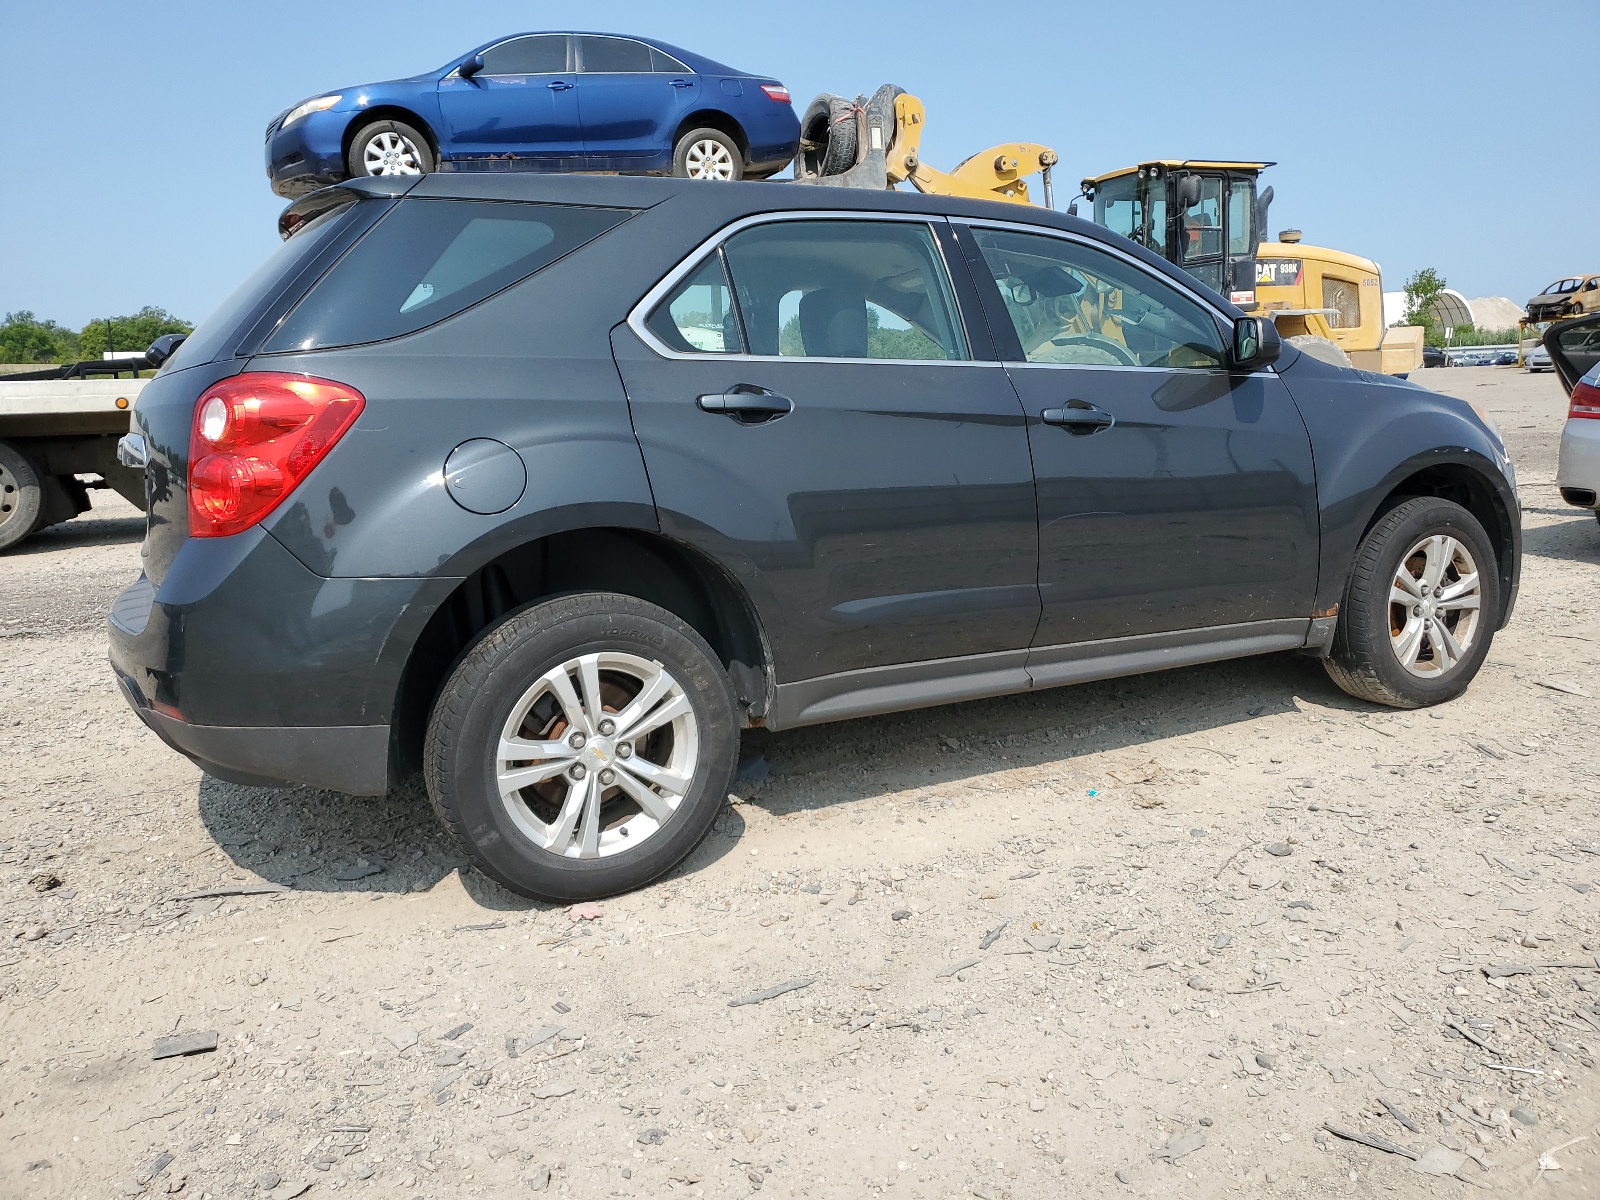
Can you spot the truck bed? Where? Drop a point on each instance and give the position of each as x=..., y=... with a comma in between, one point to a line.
x=66, y=407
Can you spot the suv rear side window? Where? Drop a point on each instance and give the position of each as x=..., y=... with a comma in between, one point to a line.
x=428, y=260
x=844, y=289
x=699, y=315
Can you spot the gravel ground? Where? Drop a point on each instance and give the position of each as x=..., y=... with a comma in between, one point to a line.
x=1143, y=937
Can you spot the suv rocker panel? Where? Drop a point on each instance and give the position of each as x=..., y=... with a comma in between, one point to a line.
x=879, y=690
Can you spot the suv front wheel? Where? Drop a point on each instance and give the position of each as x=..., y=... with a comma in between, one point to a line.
x=1421, y=607
x=583, y=747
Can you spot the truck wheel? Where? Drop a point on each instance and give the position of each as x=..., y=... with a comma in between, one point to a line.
x=1421, y=607
x=707, y=154
x=583, y=747
x=828, y=136
x=21, y=496
x=1328, y=350
x=388, y=148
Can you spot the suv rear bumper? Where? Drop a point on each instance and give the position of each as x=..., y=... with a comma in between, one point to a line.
x=264, y=672
x=341, y=758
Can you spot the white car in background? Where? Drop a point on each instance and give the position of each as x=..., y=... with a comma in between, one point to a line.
x=1538, y=359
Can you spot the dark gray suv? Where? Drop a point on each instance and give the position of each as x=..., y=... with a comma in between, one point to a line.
x=549, y=486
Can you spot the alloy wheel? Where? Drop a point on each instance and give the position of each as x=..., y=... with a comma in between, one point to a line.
x=1435, y=604
x=390, y=153
x=708, y=159
x=597, y=755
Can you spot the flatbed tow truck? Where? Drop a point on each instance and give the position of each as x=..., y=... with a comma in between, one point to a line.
x=59, y=439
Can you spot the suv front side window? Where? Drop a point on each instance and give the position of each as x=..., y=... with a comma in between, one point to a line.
x=1074, y=304
x=844, y=289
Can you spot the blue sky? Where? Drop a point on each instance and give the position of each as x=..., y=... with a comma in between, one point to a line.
x=132, y=147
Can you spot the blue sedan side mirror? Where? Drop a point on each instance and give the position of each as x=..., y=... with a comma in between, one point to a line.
x=471, y=67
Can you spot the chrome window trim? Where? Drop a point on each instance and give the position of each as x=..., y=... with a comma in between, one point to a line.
x=572, y=53
x=1197, y=296
x=640, y=311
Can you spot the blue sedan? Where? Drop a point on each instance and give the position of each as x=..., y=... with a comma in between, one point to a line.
x=543, y=102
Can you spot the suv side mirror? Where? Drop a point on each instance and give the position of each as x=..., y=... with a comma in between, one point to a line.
x=471, y=67
x=1255, y=343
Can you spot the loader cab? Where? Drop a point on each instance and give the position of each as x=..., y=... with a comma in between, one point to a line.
x=1202, y=216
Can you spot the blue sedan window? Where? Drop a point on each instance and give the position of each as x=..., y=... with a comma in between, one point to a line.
x=611, y=54
x=542, y=55
x=428, y=260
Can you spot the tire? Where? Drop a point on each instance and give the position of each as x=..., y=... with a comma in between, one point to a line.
x=1326, y=349
x=536, y=839
x=707, y=154
x=388, y=148
x=21, y=496
x=1366, y=656
x=829, y=136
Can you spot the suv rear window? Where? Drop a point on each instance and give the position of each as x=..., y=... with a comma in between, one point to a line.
x=430, y=259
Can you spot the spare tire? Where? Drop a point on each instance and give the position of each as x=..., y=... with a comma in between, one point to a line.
x=829, y=136
x=1326, y=349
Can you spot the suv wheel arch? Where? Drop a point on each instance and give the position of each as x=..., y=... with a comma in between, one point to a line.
x=631, y=562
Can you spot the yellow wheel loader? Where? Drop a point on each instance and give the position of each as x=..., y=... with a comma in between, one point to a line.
x=1208, y=218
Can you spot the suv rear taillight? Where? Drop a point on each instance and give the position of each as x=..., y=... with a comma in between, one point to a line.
x=255, y=437
x=1585, y=400
x=776, y=91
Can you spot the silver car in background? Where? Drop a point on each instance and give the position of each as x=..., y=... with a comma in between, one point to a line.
x=1574, y=350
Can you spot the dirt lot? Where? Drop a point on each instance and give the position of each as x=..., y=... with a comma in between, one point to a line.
x=1142, y=937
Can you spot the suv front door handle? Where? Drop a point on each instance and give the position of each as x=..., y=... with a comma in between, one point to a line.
x=1078, y=417
x=747, y=404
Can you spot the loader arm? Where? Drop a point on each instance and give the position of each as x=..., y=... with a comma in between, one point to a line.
x=993, y=174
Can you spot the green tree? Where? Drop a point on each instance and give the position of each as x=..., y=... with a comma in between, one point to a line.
x=133, y=332
x=1423, y=289
x=26, y=339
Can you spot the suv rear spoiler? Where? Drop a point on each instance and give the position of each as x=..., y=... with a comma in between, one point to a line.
x=340, y=195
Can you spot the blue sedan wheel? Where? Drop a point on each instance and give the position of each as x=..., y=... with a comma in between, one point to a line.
x=389, y=148
x=707, y=154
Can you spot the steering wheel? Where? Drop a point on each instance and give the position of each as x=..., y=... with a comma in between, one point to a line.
x=1117, y=351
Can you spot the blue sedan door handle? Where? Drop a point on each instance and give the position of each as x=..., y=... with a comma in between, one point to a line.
x=682, y=83
x=747, y=404
x=1079, y=417
x=558, y=85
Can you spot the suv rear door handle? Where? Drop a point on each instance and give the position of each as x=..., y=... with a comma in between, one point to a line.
x=1078, y=417
x=559, y=85
x=747, y=404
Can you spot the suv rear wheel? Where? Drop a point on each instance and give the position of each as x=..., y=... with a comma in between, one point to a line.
x=1421, y=608
x=583, y=747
